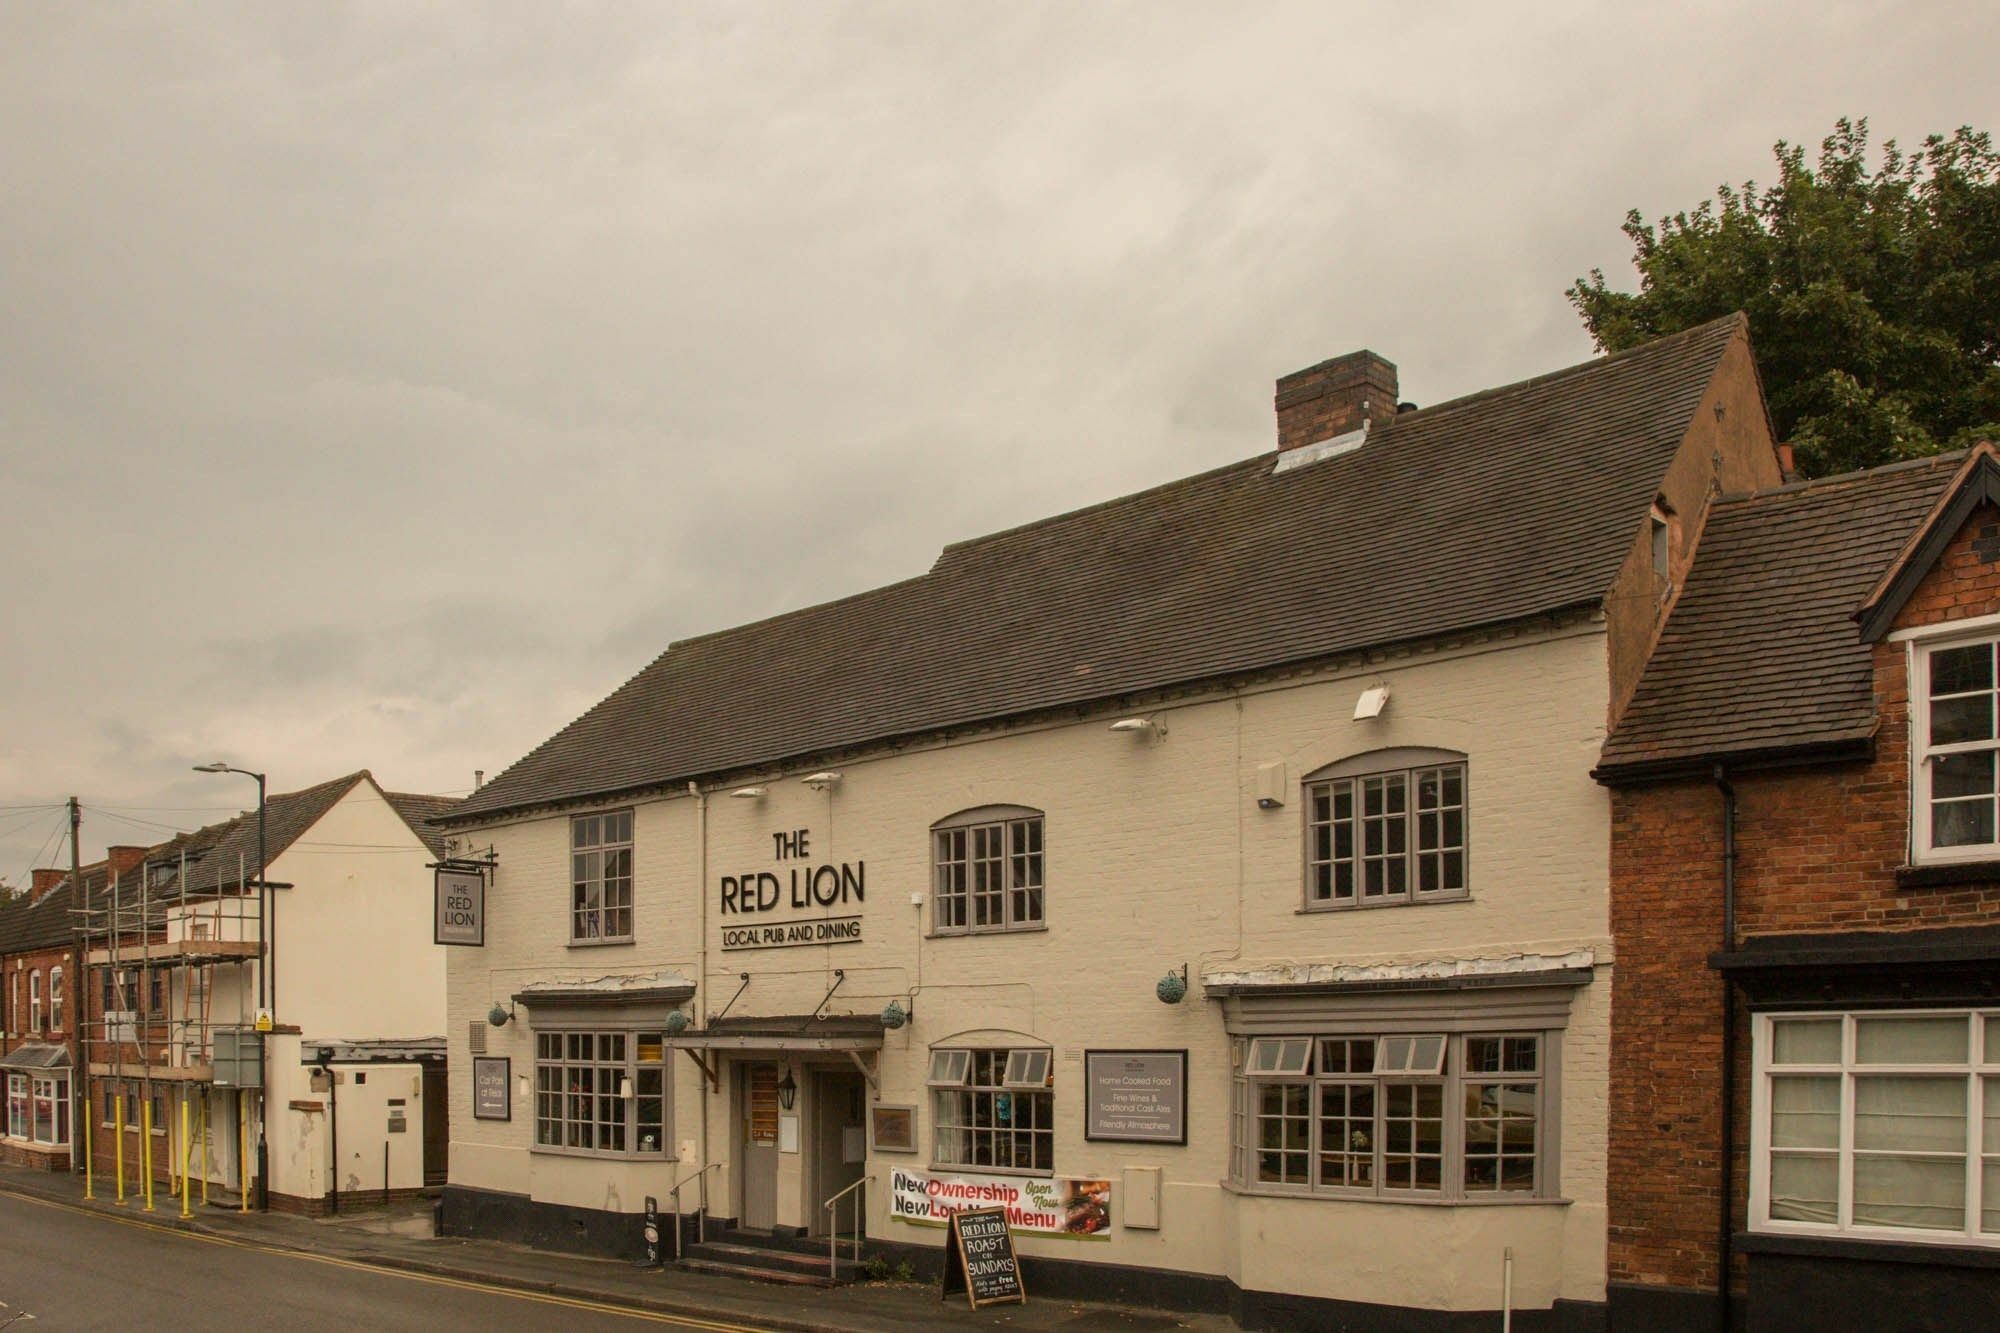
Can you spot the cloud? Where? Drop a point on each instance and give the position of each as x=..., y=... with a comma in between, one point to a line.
x=380, y=385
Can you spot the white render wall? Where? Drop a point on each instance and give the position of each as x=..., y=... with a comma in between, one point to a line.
x=1157, y=856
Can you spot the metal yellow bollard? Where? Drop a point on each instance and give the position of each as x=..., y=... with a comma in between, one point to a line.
x=243, y=1148
x=146, y=1147
x=118, y=1137
x=187, y=1161
x=89, y=1170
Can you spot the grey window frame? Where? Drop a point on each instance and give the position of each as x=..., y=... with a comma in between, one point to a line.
x=1406, y=764
x=589, y=921
x=1247, y=1113
x=1012, y=865
x=969, y=1096
x=631, y=1066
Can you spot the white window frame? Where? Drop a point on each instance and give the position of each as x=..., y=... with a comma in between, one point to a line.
x=56, y=998
x=35, y=1002
x=591, y=897
x=1978, y=1071
x=20, y=1107
x=1918, y=678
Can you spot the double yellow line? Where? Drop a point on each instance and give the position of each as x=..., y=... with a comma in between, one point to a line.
x=432, y=1279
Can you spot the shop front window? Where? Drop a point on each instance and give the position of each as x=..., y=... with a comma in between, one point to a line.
x=993, y=1108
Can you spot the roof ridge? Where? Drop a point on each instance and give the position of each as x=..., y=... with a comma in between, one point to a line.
x=1651, y=345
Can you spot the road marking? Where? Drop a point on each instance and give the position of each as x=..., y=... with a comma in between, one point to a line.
x=436, y=1280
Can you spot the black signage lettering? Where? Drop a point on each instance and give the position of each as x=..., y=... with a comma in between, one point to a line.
x=980, y=1259
x=729, y=893
x=767, y=890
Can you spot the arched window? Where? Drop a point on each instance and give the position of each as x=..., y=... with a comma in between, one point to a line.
x=56, y=999
x=987, y=870
x=1387, y=827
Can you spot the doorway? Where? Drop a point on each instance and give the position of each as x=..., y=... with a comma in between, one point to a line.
x=437, y=1126
x=839, y=1147
x=757, y=1132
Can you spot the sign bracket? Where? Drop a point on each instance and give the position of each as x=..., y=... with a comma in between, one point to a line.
x=874, y=1083
x=713, y=1074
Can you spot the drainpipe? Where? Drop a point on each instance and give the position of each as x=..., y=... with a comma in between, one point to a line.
x=700, y=998
x=1724, y=1229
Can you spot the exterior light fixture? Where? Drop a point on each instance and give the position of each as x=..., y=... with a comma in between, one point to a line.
x=498, y=1016
x=677, y=1021
x=1133, y=724
x=748, y=794
x=1172, y=988
x=788, y=1090
x=1371, y=703
x=820, y=781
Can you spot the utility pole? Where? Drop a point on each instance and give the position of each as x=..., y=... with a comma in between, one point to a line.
x=78, y=1000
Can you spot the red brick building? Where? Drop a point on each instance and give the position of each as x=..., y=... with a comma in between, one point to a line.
x=41, y=1014
x=1806, y=911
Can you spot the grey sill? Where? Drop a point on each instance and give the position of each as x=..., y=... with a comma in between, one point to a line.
x=1027, y=1171
x=1309, y=1196
x=985, y=934
x=600, y=944
x=593, y=1154
x=1433, y=900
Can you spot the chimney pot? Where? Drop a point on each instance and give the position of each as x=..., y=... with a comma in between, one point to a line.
x=1333, y=398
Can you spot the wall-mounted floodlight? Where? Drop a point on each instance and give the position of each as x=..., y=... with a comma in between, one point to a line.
x=1141, y=726
x=820, y=781
x=748, y=793
x=1371, y=703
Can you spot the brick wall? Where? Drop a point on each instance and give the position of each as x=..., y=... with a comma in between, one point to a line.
x=1818, y=849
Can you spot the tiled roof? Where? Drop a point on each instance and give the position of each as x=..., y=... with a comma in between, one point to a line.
x=1509, y=504
x=418, y=811
x=1761, y=652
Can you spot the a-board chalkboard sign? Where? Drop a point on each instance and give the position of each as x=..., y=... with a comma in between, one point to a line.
x=979, y=1259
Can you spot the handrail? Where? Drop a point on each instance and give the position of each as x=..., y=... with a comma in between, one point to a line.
x=833, y=1230
x=700, y=1218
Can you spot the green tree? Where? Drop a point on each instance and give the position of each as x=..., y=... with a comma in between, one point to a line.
x=1874, y=297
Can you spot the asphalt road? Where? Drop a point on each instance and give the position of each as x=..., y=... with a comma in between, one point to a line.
x=64, y=1268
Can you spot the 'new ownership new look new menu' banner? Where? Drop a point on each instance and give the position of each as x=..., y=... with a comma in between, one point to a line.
x=1036, y=1206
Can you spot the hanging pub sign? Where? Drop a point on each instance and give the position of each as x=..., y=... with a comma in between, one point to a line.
x=461, y=907
x=979, y=1259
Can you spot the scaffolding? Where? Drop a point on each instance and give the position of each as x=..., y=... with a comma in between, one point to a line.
x=150, y=956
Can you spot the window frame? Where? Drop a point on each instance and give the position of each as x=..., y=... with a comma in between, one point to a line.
x=56, y=998
x=1407, y=764
x=1922, y=752
x=631, y=1067
x=1980, y=1070
x=589, y=921
x=35, y=1001
x=1012, y=863
x=997, y=1060
x=1454, y=1079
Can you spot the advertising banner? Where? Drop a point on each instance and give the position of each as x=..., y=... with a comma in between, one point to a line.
x=1035, y=1205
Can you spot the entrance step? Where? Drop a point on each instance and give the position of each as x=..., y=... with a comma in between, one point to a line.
x=766, y=1259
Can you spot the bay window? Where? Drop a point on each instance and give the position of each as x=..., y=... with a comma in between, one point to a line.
x=1405, y=1115
x=1878, y=1124
x=599, y=1092
x=38, y=1108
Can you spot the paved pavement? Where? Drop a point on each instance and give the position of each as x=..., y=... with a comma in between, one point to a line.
x=89, y=1265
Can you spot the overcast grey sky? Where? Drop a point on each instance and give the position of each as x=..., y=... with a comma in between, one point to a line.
x=380, y=385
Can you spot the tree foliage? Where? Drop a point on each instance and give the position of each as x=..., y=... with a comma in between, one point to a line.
x=1874, y=297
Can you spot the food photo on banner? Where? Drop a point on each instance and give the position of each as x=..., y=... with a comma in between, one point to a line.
x=1036, y=1206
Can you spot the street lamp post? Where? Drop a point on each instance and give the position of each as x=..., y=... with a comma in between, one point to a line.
x=263, y=965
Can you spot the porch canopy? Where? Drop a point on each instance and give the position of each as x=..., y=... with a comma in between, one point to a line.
x=787, y=1032
x=36, y=1056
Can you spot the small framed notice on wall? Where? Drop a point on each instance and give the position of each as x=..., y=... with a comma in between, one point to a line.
x=492, y=1088
x=892, y=1128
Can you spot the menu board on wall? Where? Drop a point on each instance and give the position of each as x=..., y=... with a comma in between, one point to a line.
x=1135, y=1096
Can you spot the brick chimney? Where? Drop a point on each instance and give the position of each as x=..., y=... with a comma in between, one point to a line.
x=45, y=880
x=122, y=861
x=1333, y=398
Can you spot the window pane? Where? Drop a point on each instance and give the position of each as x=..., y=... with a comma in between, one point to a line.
x=1909, y=1114
x=1962, y=823
x=1959, y=670
x=1962, y=774
x=1989, y=1210
x=1957, y=720
x=1910, y=1041
x=1805, y=1041
x=1805, y=1112
x=1910, y=1192
x=1346, y=1134
x=1805, y=1189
